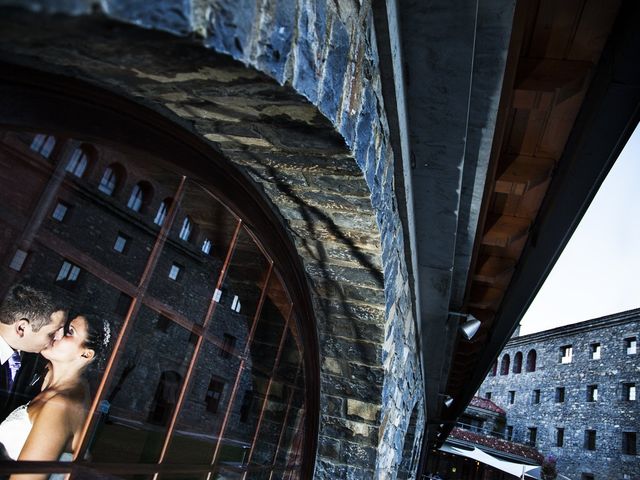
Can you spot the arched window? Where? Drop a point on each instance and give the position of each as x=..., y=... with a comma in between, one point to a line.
x=43, y=144
x=494, y=369
x=161, y=214
x=77, y=163
x=185, y=231
x=108, y=182
x=531, y=361
x=504, y=366
x=206, y=246
x=136, y=198
x=517, y=363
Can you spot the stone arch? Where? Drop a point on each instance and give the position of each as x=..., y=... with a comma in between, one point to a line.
x=288, y=148
x=411, y=444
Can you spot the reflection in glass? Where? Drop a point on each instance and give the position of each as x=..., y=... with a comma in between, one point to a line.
x=143, y=392
x=203, y=412
x=77, y=163
x=243, y=402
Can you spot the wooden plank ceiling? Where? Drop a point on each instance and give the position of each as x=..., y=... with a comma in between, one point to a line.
x=559, y=44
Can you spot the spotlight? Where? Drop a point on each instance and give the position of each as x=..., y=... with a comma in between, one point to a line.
x=470, y=327
x=448, y=401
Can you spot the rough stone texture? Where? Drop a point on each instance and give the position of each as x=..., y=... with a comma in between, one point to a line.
x=353, y=252
x=609, y=415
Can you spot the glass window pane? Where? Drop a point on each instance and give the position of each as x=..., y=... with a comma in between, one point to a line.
x=185, y=278
x=204, y=409
x=142, y=392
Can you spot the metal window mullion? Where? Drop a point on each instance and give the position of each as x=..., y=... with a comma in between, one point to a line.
x=196, y=353
x=133, y=310
x=245, y=354
x=276, y=364
x=286, y=418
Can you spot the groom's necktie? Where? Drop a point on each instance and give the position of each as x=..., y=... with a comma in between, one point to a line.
x=14, y=365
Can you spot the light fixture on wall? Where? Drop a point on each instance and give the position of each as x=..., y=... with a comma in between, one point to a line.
x=448, y=401
x=470, y=327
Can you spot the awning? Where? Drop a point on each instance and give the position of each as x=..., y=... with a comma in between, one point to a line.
x=512, y=468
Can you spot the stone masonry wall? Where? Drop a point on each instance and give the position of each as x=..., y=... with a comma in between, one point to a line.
x=338, y=203
x=609, y=415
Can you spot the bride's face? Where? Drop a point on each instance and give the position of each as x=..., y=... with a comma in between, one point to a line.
x=69, y=345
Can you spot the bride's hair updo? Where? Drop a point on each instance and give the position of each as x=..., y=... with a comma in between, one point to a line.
x=98, y=336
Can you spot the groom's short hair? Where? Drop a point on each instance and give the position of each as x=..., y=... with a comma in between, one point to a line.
x=26, y=302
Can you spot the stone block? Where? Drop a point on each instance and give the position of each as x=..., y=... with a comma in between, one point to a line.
x=335, y=68
x=363, y=410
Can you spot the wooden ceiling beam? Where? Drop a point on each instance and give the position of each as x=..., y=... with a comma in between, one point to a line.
x=504, y=230
x=523, y=173
x=563, y=78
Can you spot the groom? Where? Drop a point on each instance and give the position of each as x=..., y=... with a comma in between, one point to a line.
x=29, y=321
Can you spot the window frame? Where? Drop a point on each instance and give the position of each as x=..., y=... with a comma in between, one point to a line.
x=39, y=108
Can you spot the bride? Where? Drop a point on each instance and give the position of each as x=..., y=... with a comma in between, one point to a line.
x=49, y=426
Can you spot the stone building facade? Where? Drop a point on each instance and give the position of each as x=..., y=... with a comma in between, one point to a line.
x=318, y=153
x=577, y=400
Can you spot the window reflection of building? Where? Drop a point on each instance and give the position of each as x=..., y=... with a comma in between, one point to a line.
x=237, y=329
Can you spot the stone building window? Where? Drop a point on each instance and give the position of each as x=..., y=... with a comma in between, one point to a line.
x=169, y=390
x=631, y=345
x=214, y=394
x=629, y=391
x=161, y=214
x=206, y=246
x=494, y=369
x=587, y=476
x=517, y=362
x=592, y=393
x=140, y=196
x=531, y=361
x=560, y=391
x=18, y=260
x=504, y=366
x=595, y=349
x=175, y=272
x=590, y=439
x=60, y=211
x=566, y=354
x=43, y=144
x=68, y=273
x=559, y=437
x=509, y=432
x=109, y=181
x=78, y=162
x=487, y=395
x=535, y=397
x=629, y=443
x=512, y=397
x=121, y=244
x=532, y=435
x=185, y=231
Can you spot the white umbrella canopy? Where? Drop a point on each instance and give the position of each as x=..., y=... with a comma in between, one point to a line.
x=512, y=468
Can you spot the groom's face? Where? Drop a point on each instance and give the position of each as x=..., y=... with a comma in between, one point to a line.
x=37, y=341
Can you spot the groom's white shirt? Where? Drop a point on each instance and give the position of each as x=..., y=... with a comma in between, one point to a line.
x=5, y=351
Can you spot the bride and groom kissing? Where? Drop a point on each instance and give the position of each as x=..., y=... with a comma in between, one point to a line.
x=43, y=393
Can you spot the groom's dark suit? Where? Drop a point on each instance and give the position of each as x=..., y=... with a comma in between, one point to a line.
x=26, y=384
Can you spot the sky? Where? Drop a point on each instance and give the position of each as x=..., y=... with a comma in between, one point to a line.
x=598, y=272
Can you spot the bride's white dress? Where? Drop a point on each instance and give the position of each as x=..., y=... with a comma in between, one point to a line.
x=14, y=432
